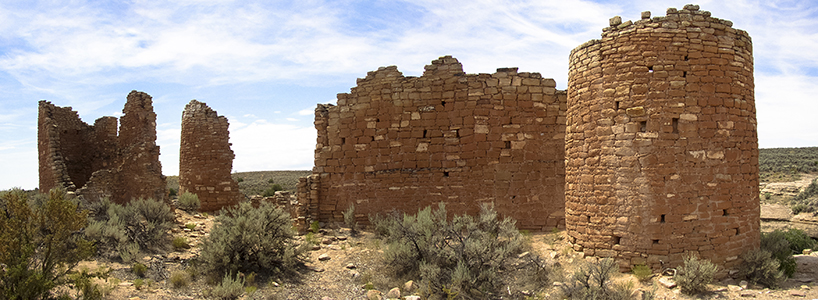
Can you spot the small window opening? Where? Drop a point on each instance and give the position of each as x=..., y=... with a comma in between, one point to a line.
x=650, y=69
x=617, y=240
x=662, y=219
x=684, y=73
x=675, y=123
x=738, y=231
x=443, y=102
x=457, y=132
x=724, y=212
x=616, y=105
x=343, y=141
x=588, y=219
x=643, y=126
x=656, y=242
x=371, y=138
x=686, y=58
x=378, y=120
x=424, y=133
x=508, y=144
x=446, y=174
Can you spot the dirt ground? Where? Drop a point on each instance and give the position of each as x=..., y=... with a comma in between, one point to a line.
x=355, y=261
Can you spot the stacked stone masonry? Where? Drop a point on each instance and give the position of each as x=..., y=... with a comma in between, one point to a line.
x=404, y=143
x=95, y=162
x=205, y=158
x=661, y=144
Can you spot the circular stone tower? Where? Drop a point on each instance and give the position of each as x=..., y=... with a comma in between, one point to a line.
x=661, y=146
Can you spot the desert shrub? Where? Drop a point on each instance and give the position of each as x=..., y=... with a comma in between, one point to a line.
x=40, y=242
x=776, y=243
x=349, y=219
x=180, y=243
x=139, y=269
x=172, y=192
x=695, y=274
x=139, y=225
x=642, y=272
x=759, y=266
x=249, y=239
x=271, y=191
x=239, y=180
x=179, y=279
x=230, y=288
x=190, y=226
x=137, y=284
x=798, y=240
x=465, y=256
x=315, y=227
x=594, y=281
x=189, y=201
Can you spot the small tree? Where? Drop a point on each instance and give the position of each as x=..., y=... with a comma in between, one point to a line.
x=40, y=243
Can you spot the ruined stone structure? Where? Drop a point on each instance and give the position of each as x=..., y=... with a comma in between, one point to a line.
x=205, y=158
x=93, y=160
x=661, y=145
x=404, y=143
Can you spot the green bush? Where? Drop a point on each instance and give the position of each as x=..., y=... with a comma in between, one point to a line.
x=776, y=243
x=179, y=279
x=189, y=201
x=695, y=274
x=40, y=242
x=229, y=289
x=759, y=266
x=271, y=191
x=249, y=239
x=594, y=281
x=180, y=243
x=798, y=240
x=349, y=219
x=172, y=192
x=139, y=269
x=190, y=226
x=137, y=284
x=465, y=256
x=642, y=272
x=125, y=230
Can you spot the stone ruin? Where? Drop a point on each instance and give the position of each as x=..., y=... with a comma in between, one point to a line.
x=402, y=143
x=651, y=154
x=205, y=158
x=93, y=160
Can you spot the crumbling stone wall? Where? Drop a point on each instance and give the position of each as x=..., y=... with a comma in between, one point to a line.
x=661, y=144
x=404, y=143
x=205, y=158
x=96, y=162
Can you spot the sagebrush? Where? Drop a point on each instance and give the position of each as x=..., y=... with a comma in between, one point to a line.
x=466, y=256
x=695, y=274
x=230, y=288
x=779, y=247
x=594, y=280
x=760, y=266
x=189, y=202
x=252, y=239
x=142, y=224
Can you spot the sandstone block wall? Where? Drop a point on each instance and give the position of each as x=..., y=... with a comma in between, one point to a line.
x=661, y=145
x=96, y=162
x=205, y=158
x=403, y=143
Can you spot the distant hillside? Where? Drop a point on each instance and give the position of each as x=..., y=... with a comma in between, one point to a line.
x=254, y=183
x=777, y=164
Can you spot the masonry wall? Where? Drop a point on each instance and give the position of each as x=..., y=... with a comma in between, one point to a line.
x=403, y=143
x=96, y=162
x=205, y=158
x=661, y=144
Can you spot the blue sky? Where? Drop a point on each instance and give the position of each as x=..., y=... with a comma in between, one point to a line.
x=266, y=64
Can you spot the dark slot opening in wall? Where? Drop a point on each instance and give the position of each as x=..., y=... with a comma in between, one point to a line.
x=724, y=212
x=643, y=126
x=457, y=132
x=684, y=74
x=650, y=69
x=686, y=58
x=617, y=240
x=616, y=105
x=738, y=231
x=443, y=102
x=446, y=174
x=675, y=123
x=343, y=141
x=508, y=144
x=655, y=242
x=371, y=138
x=662, y=219
x=424, y=133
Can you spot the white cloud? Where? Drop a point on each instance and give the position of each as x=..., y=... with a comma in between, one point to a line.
x=267, y=146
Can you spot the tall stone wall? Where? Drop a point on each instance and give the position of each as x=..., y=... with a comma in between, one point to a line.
x=404, y=143
x=661, y=145
x=96, y=162
x=205, y=158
